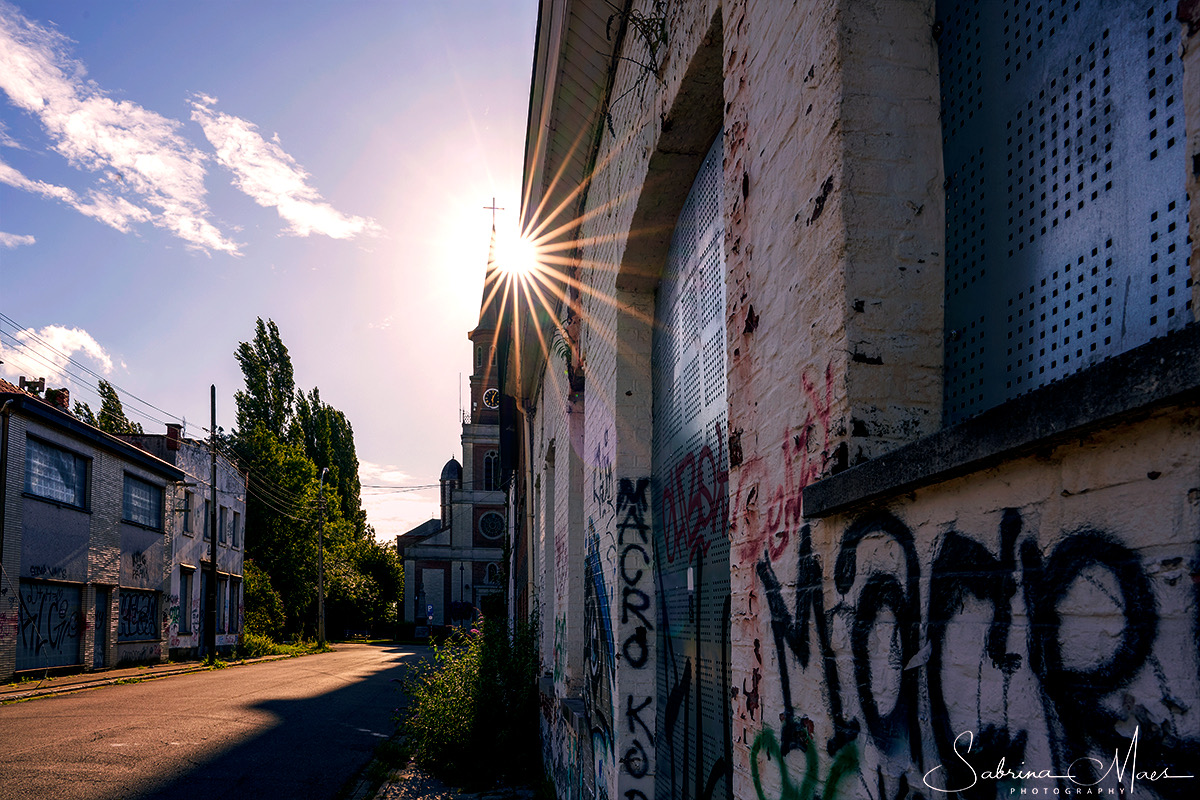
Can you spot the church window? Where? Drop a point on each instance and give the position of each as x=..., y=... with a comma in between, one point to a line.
x=491, y=525
x=491, y=471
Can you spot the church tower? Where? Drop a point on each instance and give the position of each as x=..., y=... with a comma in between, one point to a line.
x=485, y=377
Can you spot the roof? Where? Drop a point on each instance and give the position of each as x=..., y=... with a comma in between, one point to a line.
x=14, y=398
x=452, y=471
x=574, y=62
x=419, y=533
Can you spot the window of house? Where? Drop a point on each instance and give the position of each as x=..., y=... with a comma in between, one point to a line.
x=235, y=591
x=221, y=526
x=491, y=471
x=138, y=615
x=492, y=574
x=236, y=531
x=207, y=519
x=222, y=592
x=55, y=474
x=188, y=501
x=186, y=576
x=143, y=503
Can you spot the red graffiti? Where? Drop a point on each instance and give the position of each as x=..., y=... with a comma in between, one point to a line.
x=769, y=515
x=696, y=501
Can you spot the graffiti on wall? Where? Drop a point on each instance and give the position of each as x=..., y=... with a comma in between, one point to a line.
x=1080, y=665
x=695, y=749
x=768, y=515
x=696, y=501
x=598, y=650
x=50, y=623
x=140, y=566
x=637, y=628
x=138, y=615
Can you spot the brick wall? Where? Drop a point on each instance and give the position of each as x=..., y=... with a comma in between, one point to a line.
x=903, y=594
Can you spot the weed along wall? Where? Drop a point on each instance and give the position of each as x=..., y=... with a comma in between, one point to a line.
x=863, y=458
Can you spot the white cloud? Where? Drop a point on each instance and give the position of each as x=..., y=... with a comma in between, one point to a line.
x=11, y=240
x=138, y=150
x=271, y=177
x=382, y=325
x=112, y=210
x=44, y=353
x=8, y=141
x=392, y=513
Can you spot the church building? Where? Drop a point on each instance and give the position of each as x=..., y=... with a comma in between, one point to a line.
x=452, y=562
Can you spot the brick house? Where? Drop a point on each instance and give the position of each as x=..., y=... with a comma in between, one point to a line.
x=87, y=534
x=186, y=599
x=867, y=417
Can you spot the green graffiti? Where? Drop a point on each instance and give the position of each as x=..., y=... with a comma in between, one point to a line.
x=845, y=764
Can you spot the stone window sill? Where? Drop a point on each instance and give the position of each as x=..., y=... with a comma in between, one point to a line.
x=1161, y=373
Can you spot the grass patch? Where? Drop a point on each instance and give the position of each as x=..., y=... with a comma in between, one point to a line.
x=256, y=646
x=389, y=756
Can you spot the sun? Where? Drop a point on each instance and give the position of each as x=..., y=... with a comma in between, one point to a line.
x=516, y=255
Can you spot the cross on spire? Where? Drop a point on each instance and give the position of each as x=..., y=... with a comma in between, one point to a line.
x=493, y=208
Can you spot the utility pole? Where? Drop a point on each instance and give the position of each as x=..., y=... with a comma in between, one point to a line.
x=321, y=561
x=210, y=630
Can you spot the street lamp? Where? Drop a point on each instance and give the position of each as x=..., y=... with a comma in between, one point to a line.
x=321, y=561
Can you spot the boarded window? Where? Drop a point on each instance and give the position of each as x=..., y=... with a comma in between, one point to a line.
x=1066, y=211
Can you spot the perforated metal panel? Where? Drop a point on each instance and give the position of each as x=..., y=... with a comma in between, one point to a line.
x=1066, y=215
x=690, y=496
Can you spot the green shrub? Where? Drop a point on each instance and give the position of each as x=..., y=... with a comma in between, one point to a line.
x=441, y=712
x=264, y=608
x=473, y=711
x=255, y=646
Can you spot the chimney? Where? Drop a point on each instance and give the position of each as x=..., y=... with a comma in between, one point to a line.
x=32, y=386
x=60, y=399
x=174, y=435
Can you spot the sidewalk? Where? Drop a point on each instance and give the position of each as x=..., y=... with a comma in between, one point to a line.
x=413, y=783
x=24, y=690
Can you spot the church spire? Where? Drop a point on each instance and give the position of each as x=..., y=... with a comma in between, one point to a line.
x=492, y=294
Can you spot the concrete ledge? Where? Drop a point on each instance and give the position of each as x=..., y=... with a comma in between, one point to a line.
x=1159, y=374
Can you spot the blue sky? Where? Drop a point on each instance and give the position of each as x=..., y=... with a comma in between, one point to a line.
x=170, y=171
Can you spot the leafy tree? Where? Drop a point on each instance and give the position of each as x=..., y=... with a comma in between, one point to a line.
x=84, y=413
x=111, y=418
x=281, y=530
x=284, y=439
x=328, y=438
x=270, y=385
x=264, y=606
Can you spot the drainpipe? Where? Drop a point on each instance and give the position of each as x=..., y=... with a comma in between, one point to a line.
x=534, y=598
x=5, y=413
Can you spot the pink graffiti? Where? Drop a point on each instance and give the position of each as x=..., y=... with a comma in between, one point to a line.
x=696, y=501
x=768, y=515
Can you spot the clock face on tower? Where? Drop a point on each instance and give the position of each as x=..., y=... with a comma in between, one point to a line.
x=491, y=398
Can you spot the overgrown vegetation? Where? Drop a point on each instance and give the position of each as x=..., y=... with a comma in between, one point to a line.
x=285, y=438
x=473, y=711
x=256, y=646
x=285, y=441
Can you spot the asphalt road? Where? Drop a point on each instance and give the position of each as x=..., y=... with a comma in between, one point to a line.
x=296, y=728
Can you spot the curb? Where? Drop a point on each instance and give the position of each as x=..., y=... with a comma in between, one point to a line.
x=47, y=691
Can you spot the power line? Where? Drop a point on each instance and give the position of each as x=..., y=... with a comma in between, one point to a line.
x=84, y=367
